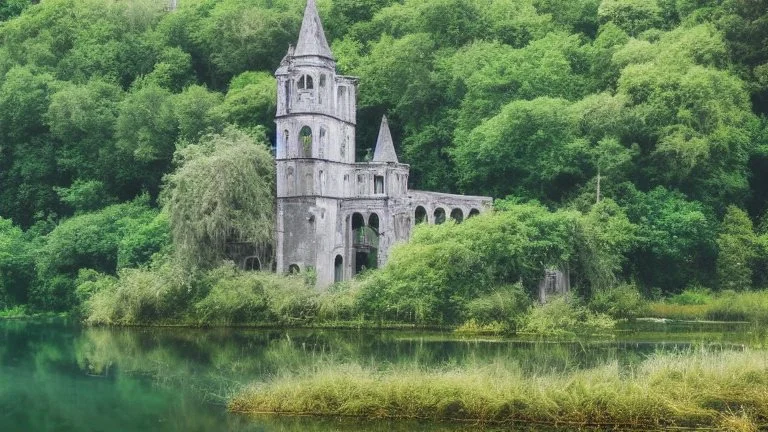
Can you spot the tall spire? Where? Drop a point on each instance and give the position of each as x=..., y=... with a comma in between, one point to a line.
x=385, y=147
x=312, y=40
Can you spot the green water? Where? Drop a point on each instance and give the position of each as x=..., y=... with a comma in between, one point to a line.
x=58, y=376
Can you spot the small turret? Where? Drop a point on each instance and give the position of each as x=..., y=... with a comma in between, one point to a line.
x=385, y=147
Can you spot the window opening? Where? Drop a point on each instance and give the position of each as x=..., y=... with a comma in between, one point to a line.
x=378, y=184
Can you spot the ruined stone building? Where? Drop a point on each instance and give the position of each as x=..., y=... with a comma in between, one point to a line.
x=335, y=215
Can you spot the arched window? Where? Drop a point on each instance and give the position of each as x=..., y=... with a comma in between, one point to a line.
x=305, y=82
x=373, y=223
x=421, y=215
x=439, y=216
x=321, y=93
x=341, y=101
x=305, y=142
x=294, y=269
x=323, y=142
x=286, y=138
x=338, y=269
x=473, y=213
x=457, y=215
x=287, y=94
x=252, y=264
x=309, y=184
x=289, y=180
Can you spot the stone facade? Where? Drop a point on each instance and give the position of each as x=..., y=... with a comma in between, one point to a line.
x=335, y=215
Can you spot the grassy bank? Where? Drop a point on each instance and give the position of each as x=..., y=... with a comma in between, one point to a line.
x=749, y=306
x=698, y=389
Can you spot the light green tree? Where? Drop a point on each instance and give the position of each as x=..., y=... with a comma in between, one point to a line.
x=222, y=191
x=737, y=249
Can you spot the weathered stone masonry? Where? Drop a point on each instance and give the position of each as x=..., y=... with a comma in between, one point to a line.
x=334, y=214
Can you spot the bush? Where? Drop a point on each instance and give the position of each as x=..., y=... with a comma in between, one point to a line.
x=502, y=305
x=562, y=316
x=87, y=241
x=341, y=302
x=621, y=302
x=692, y=296
x=140, y=296
x=430, y=279
x=291, y=299
x=240, y=299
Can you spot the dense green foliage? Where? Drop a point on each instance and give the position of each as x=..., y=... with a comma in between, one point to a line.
x=630, y=139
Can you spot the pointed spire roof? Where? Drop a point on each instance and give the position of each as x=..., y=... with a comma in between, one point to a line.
x=385, y=147
x=312, y=40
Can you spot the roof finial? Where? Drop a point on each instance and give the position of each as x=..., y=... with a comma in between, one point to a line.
x=312, y=40
x=385, y=147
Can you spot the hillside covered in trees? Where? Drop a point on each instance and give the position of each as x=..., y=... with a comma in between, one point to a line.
x=630, y=135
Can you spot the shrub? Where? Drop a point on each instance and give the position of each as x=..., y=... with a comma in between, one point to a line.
x=140, y=296
x=472, y=327
x=240, y=299
x=563, y=315
x=692, y=296
x=621, y=302
x=291, y=299
x=90, y=240
x=341, y=302
x=501, y=305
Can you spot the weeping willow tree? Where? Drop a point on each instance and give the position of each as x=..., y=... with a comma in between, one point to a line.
x=222, y=191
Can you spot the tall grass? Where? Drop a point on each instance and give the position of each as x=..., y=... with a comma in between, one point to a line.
x=744, y=306
x=749, y=306
x=694, y=389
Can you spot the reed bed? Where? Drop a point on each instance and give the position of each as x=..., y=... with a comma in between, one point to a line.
x=727, y=390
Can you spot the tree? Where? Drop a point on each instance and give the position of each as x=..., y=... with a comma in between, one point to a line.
x=16, y=265
x=11, y=8
x=222, y=191
x=675, y=238
x=606, y=236
x=737, y=250
x=521, y=151
x=250, y=102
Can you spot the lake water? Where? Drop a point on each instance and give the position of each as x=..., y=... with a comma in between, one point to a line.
x=58, y=376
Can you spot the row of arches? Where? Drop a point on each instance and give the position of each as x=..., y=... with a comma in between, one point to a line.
x=439, y=215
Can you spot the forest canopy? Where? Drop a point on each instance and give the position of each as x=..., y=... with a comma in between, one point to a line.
x=660, y=106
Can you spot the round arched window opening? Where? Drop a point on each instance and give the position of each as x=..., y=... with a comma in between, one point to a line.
x=338, y=269
x=305, y=141
x=421, y=215
x=457, y=215
x=473, y=213
x=439, y=216
x=306, y=83
x=252, y=264
x=294, y=269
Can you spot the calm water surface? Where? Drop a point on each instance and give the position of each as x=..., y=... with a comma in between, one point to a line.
x=58, y=376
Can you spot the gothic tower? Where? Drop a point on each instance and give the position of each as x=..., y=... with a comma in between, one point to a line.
x=316, y=116
x=337, y=216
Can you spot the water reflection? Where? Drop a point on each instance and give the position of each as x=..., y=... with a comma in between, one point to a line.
x=57, y=376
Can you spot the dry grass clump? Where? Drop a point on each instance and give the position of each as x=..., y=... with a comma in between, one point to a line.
x=697, y=389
